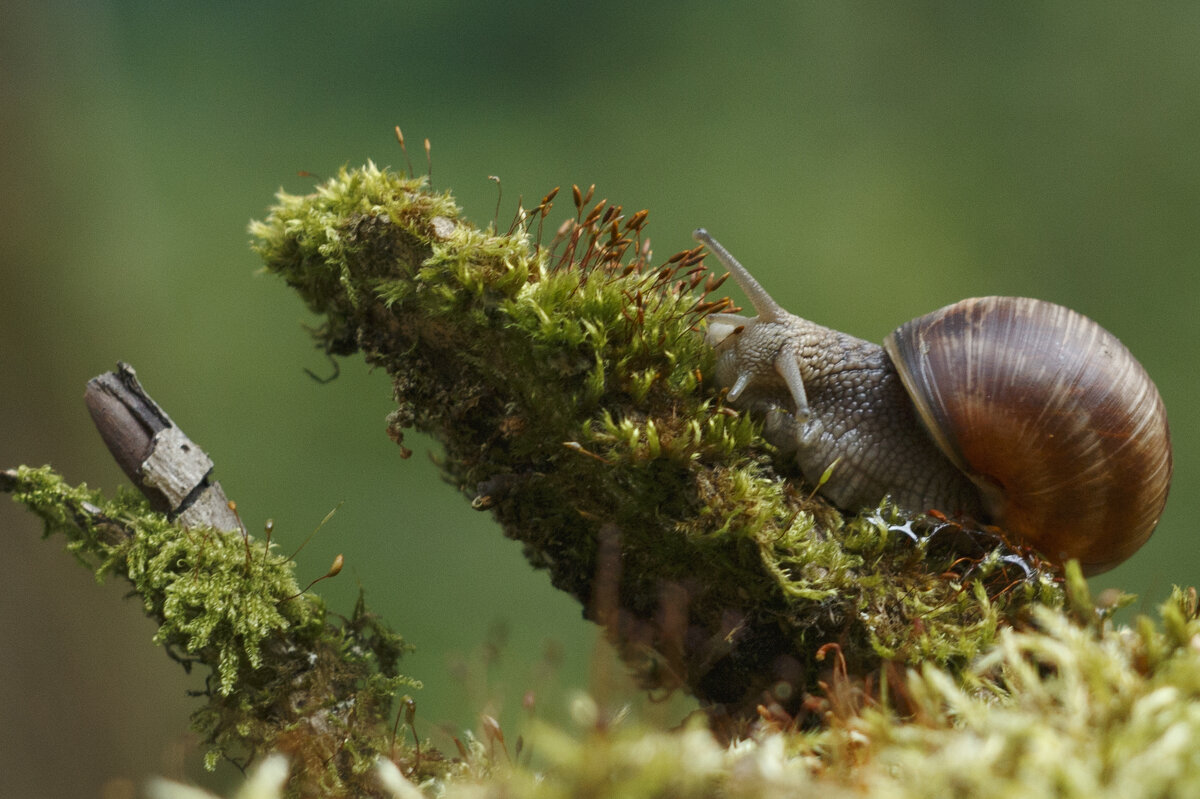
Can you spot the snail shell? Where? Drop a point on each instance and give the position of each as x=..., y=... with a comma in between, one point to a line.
x=1050, y=416
x=1007, y=410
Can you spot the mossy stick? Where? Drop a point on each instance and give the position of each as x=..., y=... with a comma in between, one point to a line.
x=571, y=391
x=284, y=674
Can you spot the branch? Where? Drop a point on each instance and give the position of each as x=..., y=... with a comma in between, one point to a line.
x=163, y=463
x=572, y=395
x=284, y=675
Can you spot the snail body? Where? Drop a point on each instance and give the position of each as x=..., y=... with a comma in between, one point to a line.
x=1005, y=410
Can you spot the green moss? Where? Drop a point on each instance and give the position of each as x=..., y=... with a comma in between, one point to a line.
x=573, y=396
x=1069, y=707
x=283, y=673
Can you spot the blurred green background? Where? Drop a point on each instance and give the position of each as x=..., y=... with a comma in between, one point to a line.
x=903, y=155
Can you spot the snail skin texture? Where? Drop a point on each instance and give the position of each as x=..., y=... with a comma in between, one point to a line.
x=1003, y=410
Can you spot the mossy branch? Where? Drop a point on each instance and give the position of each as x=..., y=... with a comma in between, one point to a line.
x=570, y=390
x=284, y=674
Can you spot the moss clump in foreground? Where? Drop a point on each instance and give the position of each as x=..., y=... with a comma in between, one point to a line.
x=284, y=674
x=1070, y=707
x=572, y=394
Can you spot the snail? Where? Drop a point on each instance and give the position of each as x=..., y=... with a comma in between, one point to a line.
x=1000, y=410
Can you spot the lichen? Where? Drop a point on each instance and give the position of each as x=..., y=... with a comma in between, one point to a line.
x=573, y=395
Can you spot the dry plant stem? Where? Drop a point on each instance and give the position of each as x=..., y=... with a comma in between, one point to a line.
x=165, y=465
